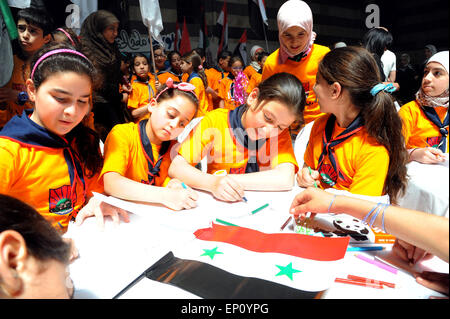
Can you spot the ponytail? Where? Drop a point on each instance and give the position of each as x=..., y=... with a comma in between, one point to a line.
x=355, y=69
x=384, y=124
x=196, y=61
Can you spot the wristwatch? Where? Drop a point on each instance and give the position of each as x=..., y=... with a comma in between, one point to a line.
x=22, y=97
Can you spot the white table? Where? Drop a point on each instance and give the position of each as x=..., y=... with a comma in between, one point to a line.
x=427, y=188
x=111, y=259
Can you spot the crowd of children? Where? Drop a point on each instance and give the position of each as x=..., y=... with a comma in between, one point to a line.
x=69, y=96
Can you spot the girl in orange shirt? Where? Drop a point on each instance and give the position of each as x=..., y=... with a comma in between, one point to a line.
x=138, y=155
x=232, y=88
x=298, y=54
x=250, y=143
x=50, y=158
x=358, y=145
x=143, y=88
x=425, y=120
x=191, y=63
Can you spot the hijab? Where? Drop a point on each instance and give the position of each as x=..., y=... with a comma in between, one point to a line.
x=94, y=45
x=295, y=13
x=442, y=99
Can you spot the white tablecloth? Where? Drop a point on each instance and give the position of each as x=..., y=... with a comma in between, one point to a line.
x=111, y=259
x=427, y=188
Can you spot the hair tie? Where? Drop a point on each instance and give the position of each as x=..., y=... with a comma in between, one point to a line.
x=382, y=87
x=53, y=52
x=200, y=67
x=67, y=35
x=183, y=86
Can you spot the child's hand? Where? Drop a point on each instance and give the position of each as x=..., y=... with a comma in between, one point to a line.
x=227, y=189
x=306, y=179
x=178, y=199
x=101, y=209
x=312, y=200
x=427, y=155
x=175, y=184
x=408, y=252
x=434, y=280
x=127, y=88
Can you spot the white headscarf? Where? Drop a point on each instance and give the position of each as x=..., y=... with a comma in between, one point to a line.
x=295, y=13
x=442, y=99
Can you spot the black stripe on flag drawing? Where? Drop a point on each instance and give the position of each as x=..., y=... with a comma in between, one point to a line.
x=210, y=282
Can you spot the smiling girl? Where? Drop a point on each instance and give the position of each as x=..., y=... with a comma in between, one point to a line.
x=298, y=54
x=425, y=120
x=250, y=146
x=138, y=155
x=50, y=159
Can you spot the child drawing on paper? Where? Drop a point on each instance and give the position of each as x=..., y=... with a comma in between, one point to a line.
x=138, y=155
x=251, y=143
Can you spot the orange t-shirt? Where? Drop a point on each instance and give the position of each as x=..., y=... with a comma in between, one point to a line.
x=418, y=130
x=249, y=71
x=203, y=102
x=254, y=82
x=40, y=177
x=125, y=155
x=20, y=74
x=305, y=71
x=361, y=159
x=141, y=94
x=227, y=93
x=213, y=137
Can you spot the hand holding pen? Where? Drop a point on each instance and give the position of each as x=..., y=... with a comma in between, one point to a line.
x=307, y=177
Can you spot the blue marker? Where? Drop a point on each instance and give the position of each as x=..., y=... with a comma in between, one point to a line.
x=366, y=248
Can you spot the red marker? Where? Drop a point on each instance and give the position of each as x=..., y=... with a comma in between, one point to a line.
x=358, y=283
x=372, y=281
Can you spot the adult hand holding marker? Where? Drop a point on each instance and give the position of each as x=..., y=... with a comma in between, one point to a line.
x=226, y=188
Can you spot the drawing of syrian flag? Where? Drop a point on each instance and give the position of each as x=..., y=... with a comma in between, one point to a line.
x=237, y=262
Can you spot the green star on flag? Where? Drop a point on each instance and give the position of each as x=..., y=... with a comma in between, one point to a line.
x=211, y=252
x=287, y=270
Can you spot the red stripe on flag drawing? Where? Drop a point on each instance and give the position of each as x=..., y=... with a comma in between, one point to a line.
x=303, y=246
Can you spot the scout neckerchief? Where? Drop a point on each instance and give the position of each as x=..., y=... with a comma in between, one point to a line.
x=431, y=114
x=153, y=168
x=24, y=131
x=328, y=148
x=151, y=93
x=239, y=133
x=298, y=57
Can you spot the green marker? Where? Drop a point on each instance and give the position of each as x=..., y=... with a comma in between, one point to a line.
x=225, y=223
x=260, y=208
x=310, y=173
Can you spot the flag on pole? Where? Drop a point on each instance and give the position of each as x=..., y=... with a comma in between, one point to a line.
x=185, y=45
x=237, y=262
x=222, y=29
x=151, y=17
x=257, y=16
x=241, y=47
x=203, y=41
x=177, y=37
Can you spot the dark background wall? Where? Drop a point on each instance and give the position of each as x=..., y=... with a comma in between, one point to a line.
x=413, y=23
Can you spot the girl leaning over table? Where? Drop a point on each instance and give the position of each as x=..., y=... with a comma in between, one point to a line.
x=251, y=143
